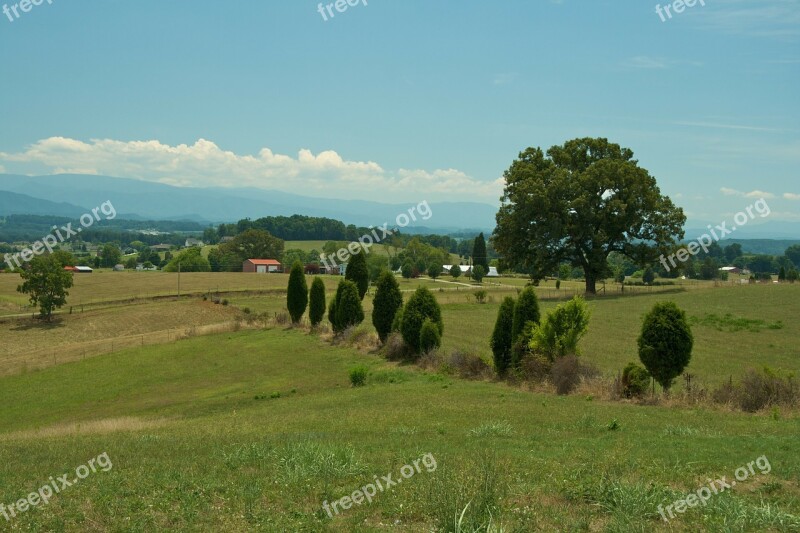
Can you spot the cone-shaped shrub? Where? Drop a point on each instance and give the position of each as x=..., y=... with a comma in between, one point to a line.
x=420, y=306
x=388, y=299
x=358, y=272
x=429, y=337
x=525, y=310
x=501, y=336
x=316, y=305
x=348, y=308
x=297, y=293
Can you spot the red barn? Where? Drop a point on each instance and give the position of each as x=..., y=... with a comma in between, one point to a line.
x=262, y=266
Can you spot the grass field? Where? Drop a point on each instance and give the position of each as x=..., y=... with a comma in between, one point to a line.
x=253, y=430
x=192, y=449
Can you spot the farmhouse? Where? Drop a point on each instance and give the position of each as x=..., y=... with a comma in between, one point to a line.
x=78, y=269
x=731, y=270
x=193, y=242
x=262, y=266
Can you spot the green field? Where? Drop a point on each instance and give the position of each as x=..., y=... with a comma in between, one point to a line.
x=253, y=430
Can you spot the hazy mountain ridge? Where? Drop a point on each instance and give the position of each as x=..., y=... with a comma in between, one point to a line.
x=212, y=205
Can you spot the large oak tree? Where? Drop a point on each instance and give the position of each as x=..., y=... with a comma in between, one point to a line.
x=579, y=203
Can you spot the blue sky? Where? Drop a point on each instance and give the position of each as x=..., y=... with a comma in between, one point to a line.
x=404, y=100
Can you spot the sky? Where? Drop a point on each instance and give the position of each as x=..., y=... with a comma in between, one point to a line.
x=405, y=100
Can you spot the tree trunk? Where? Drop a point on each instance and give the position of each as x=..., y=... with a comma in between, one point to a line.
x=591, y=284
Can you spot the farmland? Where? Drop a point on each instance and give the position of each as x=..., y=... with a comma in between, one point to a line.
x=253, y=426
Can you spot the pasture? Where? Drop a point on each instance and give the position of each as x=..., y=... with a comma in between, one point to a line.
x=253, y=427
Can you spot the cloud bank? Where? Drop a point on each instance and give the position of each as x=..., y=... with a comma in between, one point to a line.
x=204, y=164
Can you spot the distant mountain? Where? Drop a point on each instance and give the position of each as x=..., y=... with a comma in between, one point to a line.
x=21, y=204
x=158, y=201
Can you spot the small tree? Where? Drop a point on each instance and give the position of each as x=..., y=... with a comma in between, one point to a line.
x=434, y=270
x=297, y=293
x=388, y=299
x=665, y=344
x=429, y=336
x=501, y=336
x=782, y=274
x=478, y=272
x=560, y=331
x=333, y=316
x=46, y=282
x=455, y=271
x=525, y=310
x=649, y=275
x=479, y=256
x=407, y=270
x=792, y=275
x=420, y=306
x=316, y=306
x=357, y=271
x=348, y=309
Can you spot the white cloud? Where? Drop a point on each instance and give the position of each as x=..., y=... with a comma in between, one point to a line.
x=752, y=194
x=204, y=164
x=759, y=194
x=791, y=196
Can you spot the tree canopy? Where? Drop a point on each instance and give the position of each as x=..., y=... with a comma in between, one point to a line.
x=46, y=282
x=580, y=202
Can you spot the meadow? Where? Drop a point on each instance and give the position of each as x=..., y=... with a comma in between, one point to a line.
x=254, y=427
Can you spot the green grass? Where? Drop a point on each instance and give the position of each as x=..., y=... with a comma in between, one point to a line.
x=217, y=459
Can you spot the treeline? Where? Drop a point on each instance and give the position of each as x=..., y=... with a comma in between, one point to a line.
x=307, y=228
x=28, y=228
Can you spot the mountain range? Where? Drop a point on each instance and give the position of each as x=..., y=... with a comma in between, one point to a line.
x=74, y=194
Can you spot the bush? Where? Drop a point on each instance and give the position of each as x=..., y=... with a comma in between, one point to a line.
x=665, y=344
x=395, y=349
x=758, y=390
x=420, y=306
x=455, y=271
x=429, y=337
x=565, y=374
x=348, y=309
x=525, y=310
x=468, y=365
x=535, y=368
x=316, y=307
x=501, y=336
x=407, y=270
x=358, y=272
x=225, y=301
x=560, y=332
x=388, y=299
x=398, y=321
x=434, y=270
x=358, y=376
x=297, y=292
x=568, y=371
x=635, y=381
x=478, y=272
